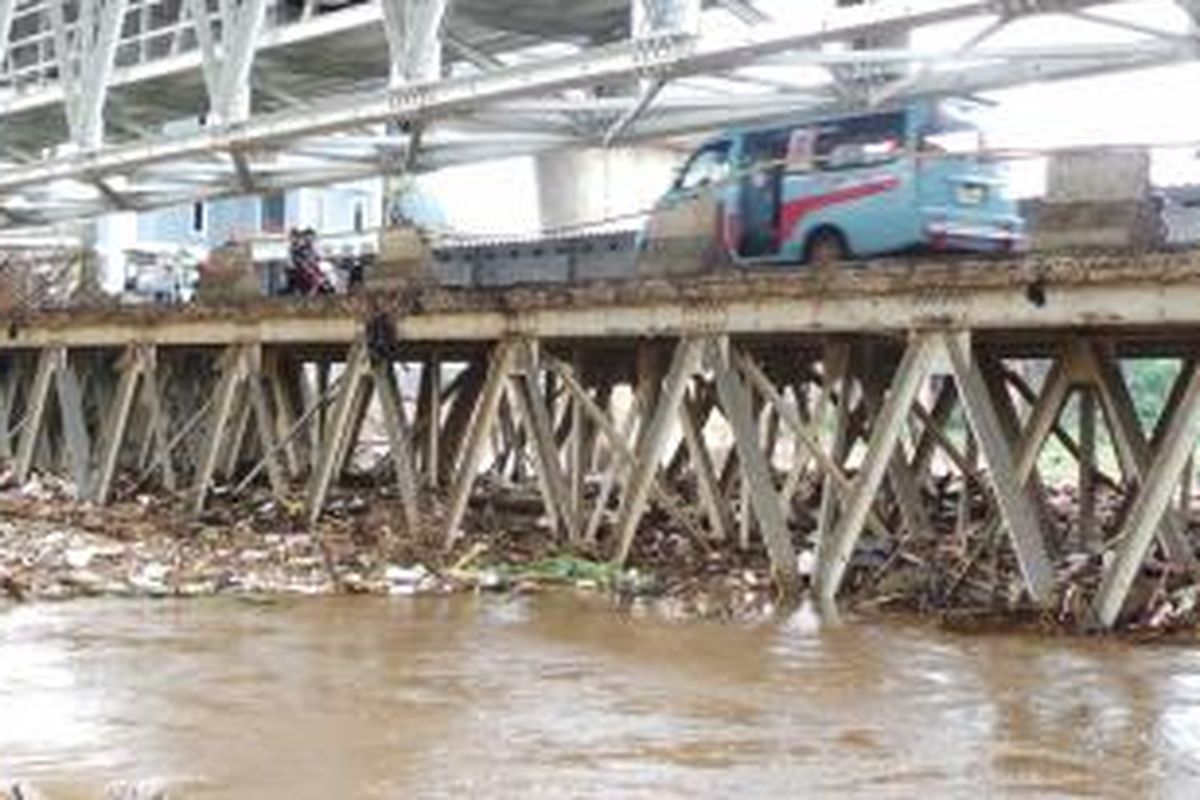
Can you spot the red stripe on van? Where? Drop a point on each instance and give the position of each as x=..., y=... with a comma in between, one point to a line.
x=795, y=210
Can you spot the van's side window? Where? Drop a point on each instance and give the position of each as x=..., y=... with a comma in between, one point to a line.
x=708, y=166
x=860, y=141
x=800, y=150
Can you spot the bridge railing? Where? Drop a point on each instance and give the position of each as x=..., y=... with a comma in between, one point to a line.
x=152, y=30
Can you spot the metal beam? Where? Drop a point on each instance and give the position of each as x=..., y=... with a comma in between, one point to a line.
x=7, y=9
x=227, y=44
x=414, y=36
x=596, y=66
x=745, y=10
x=86, y=51
x=653, y=124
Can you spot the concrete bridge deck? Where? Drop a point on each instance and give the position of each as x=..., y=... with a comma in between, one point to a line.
x=1134, y=292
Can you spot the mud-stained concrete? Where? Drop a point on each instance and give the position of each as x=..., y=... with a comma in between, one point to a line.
x=1035, y=275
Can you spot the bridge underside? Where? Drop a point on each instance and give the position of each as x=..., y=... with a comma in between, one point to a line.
x=785, y=411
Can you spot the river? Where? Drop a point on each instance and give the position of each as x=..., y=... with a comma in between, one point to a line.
x=558, y=696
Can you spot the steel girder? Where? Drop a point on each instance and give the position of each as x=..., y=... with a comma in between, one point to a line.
x=322, y=140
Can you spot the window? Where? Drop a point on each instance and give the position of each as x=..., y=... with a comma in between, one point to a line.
x=709, y=165
x=950, y=128
x=272, y=213
x=860, y=141
x=800, y=150
x=199, y=218
x=963, y=142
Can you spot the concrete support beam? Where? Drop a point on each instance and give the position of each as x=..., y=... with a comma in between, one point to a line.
x=264, y=425
x=623, y=457
x=499, y=367
x=530, y=403
x=1146, y=514
x=233, y=370
x=933, y=423
x=283, y=379
x=1016, y=507
x=737, y=406
x=1133, y=447
x=833, y=415
x=837, y=482
x=340, y=429
x=399, y=439
x=1087, y=532
x=901, y=478
x=76, y=438
x=1043, y=416
x=653, y=442
x=112, y=437
x=35, y=412
x=10, y=381
x=580, y=438
x=462, y=396
x=159, y=422
x=833, y=555
x=234, y=446
x=707, y=485
x=431, y=384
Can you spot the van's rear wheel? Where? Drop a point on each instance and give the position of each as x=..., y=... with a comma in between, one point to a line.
x=826, y=249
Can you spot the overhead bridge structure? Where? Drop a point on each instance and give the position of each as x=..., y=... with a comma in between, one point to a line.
x=117, y=105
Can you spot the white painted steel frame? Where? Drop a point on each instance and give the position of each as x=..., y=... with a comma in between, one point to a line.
x=102, y=177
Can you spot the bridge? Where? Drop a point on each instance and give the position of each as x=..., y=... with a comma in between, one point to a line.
x=101, y=100
x=474, y=382
x=774, y=409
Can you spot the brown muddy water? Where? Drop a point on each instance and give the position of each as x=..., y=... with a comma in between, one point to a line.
x=556, y=696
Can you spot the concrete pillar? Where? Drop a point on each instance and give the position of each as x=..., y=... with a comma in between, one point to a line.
x=596, y=185
x=108, y=238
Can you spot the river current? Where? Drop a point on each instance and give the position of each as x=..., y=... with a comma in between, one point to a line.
x=558, y=696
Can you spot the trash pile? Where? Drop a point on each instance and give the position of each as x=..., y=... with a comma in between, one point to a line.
x=53, y=548
x=966, y=574
x=962, y=570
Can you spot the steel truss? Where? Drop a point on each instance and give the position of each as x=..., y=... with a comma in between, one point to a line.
x=428, y=85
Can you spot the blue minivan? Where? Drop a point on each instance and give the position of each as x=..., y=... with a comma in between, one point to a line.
x=826, y=190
